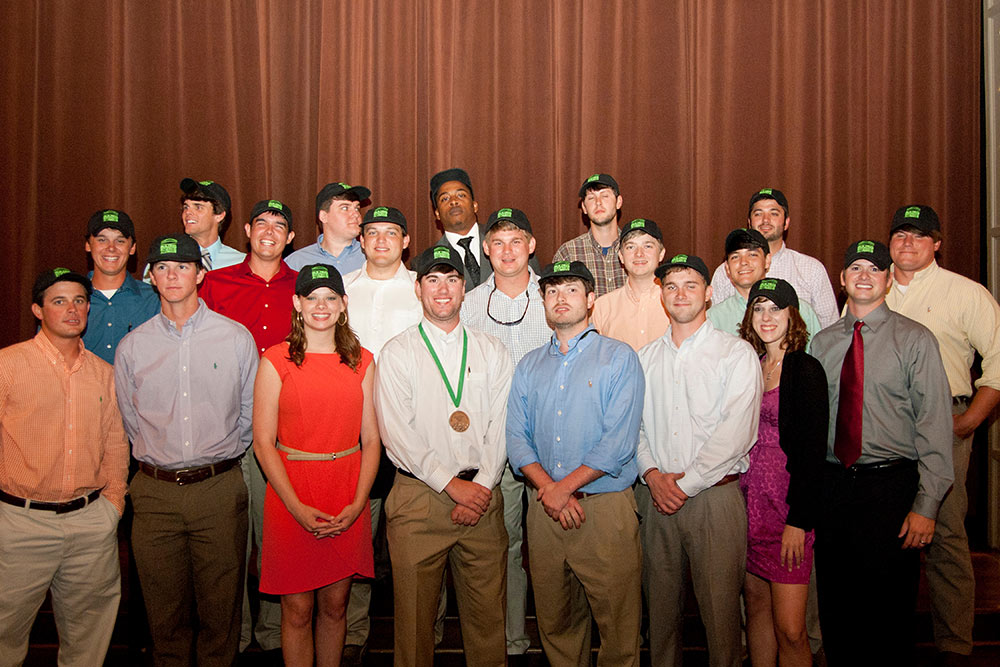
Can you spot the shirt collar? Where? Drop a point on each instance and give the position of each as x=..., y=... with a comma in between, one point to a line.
x=453, y=238
x=694, y=339
x=130, y=283
x=439, y=337
x=597, y=246
x=780, y=250
x=872, y=320
x=577, y=343
x=283, y=271
x=637, y=297
x=921, y=275
x=192, y=322
x=402, y=275
x=52, y=354
x=349, y=249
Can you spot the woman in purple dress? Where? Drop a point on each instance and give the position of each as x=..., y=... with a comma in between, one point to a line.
x=779, y=483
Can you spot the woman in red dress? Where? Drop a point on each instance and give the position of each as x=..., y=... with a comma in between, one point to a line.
x=312, y=403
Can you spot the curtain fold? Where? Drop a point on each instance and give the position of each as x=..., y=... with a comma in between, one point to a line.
x=851, y=107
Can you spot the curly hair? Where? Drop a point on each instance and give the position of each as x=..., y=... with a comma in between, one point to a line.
x=348, y=345
x=795, y=339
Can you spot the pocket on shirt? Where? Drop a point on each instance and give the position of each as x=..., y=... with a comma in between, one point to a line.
x=476, y=395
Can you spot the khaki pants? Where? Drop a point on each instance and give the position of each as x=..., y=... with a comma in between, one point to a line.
x=950, y=580
x=709, y=536
x=592, y=569
x=73, y=555
x=422, y=541
x=190, y=549
x=268, y=628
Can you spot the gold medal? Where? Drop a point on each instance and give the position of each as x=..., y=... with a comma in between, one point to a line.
x=459, y=421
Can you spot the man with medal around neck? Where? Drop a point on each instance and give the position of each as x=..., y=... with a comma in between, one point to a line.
x=441, y=399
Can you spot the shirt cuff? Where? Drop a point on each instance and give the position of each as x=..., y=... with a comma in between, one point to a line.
x=438, y=479
x=925, y=506
x=692, y=483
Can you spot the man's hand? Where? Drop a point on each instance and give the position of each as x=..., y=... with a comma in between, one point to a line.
x=472, y=495
x=667, y=496
x=572, y=516
x=919, y=531
x=554, y=497
x=464, y=516
x=963, y=425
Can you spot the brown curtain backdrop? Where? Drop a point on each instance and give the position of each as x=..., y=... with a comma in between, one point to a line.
x=851, y=107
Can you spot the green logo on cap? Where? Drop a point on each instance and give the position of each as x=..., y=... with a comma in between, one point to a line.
x=768, y=284
x=593, y=178
x=765, y=191
x=319, y=272
x=344, y=185
x=505, y=213
x=274, y=203
x=110, y=216
x=442, y=253
x=638, y=223
x=205, y=182
x=866, y=246
x=59, y=272
x=560, y=267
x=381, y=212
x=168, y=246
x=912, y=212
x=678, y=258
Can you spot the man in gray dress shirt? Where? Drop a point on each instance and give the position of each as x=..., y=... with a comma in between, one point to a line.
x=184, y=382
x=888, y=465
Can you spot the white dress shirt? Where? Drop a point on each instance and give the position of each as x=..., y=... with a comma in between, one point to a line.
x=413, y=405
x=380, y=309
x=531, y=332
x=475, y=246
x=701, y=408
x=806, y=274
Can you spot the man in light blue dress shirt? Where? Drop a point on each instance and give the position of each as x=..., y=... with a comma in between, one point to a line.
x=338, y=212
x=572, y=429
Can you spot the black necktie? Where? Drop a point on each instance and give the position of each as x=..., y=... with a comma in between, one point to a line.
x=471, y=265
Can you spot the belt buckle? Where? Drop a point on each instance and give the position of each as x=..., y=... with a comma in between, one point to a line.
x=191, y=475
x=71, y=506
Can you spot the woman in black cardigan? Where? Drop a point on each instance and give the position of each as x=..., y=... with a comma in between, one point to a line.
x=781, y=478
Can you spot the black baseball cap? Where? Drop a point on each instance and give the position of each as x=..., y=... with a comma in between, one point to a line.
x=313, y=276
x=644, y=225
x=918, y=216
x=47, y=279
x=209, y=190
x=744, y=239
x=111, y=219
x=598, y=181
x=437, y=256
x=778, y=291
x=274, y=206
x=453, y=174
x=875, y=252
x=330, y=190
x=768, y=193
x=513, y=215
x=385, y=214
x=174, y=248
x=561, y=269
x=689, y=261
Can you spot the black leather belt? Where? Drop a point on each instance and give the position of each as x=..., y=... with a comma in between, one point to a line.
x=58, y=508
x=465, y=475
x=189, y=475
x=878, y=466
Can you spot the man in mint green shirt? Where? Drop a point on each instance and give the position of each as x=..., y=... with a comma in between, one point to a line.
x=747, y=261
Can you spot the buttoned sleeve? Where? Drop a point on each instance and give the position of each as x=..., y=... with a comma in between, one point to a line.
x=623, y=397
x=125, y=386
x=982, y=326
x=520, y=431
x=739, y=416
x=248, y=372
x=115, y=451
x=930, y=396
x=394, y=406
x=494, y=451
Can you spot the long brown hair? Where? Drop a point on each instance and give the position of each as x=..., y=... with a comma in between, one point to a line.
x=795, y=339
x=348, y=345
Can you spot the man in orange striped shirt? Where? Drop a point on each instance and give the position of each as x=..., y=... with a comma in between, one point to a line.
x=63, y=468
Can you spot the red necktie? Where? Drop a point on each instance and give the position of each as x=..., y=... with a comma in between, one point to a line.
x=847, y=441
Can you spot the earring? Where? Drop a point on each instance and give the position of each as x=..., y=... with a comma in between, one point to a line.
x=342, y=320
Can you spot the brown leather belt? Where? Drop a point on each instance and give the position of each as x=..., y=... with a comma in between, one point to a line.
x=58, y=508
x=189, y=475
x=728, y=479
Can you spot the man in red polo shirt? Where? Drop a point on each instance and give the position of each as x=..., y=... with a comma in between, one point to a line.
x=257, y=293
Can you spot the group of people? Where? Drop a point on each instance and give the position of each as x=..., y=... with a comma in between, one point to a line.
x=638, y=421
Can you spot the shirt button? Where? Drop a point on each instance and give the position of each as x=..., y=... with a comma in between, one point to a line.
x=558, y=439
x=265, y=327
x=109, y=324
x=184, y=368
x=109, y=346
x=559, y=465
x=185, y=393
x=559, y=412
x=565, y=363
x=261, y=350
x=561, y=387
x=267, y=305
x=185, y=419
x=187, y=443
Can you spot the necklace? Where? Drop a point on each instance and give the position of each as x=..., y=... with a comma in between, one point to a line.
x=767, y=378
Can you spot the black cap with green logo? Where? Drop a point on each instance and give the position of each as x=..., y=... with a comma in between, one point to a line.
x=174, y=248
x=314, y=276
x=208, y=191
x=688, y=261
x=643, y=226
x=47, y=279
x=779, y=292
x=512, y=215
x=111, y=219
x=923, y=218
x=598, y=182
x=875, y=252
x=274, y=206
x=385, y=214
x=439, y=255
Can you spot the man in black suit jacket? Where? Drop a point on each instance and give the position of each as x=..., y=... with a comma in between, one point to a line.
x=455, y=207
